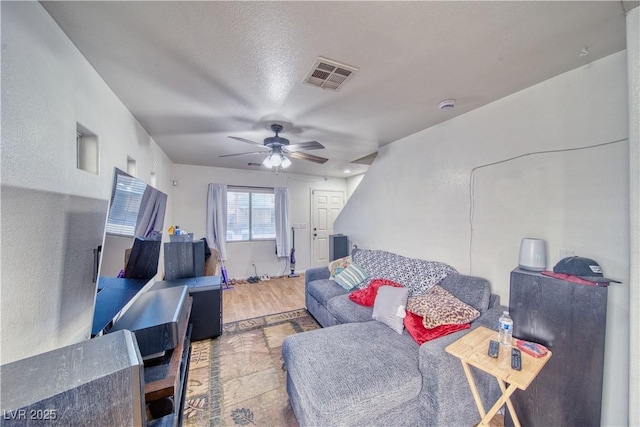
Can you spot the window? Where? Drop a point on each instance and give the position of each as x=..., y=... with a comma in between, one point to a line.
x=123, y=212
x=250, y=214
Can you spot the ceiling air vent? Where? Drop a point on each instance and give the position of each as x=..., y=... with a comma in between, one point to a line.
x=328, y=74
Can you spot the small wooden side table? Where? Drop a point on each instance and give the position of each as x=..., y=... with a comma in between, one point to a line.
x=472, y=348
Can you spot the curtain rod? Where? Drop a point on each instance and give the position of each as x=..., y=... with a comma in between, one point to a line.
x=251, y=186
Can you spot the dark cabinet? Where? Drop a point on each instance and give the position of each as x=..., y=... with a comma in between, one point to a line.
x=184, y=259
x=338, y=246
x=206, y=311
x=570, y=320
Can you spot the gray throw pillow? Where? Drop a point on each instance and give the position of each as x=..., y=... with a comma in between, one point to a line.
x=389, y=307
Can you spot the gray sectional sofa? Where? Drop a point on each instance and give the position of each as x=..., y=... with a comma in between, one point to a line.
x=356, y=371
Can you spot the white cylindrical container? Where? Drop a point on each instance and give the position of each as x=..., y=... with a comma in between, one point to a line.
x=533, y=254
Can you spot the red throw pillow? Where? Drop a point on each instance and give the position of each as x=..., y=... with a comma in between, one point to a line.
x=367, y=296
x=420, y=334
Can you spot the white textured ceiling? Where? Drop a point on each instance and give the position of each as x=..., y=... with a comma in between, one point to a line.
x=194, y=73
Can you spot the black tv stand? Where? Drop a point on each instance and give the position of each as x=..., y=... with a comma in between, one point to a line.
x=206, y=313
x=159, y=320
x=166, y=383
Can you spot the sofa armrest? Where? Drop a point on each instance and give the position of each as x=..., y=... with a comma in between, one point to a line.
x=489, y=318
x=316, y=273
x=494, y=300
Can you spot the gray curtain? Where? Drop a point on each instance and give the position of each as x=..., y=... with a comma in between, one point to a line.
x=282, y=221
x=151, y=214
x=217, y=219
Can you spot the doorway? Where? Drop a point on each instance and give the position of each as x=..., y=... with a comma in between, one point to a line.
x=325, y=208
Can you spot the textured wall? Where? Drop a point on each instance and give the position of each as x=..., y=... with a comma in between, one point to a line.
x=416, y=199
x=50, y=208
x=190, y=206
x=633, y=72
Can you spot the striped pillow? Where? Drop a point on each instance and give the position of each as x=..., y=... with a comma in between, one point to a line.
x=351, y=277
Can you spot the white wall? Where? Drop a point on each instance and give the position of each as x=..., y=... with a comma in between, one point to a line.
x=416, y=197
x=48, y=86
x=633, y=73
x=190, y=206
x=352, y=184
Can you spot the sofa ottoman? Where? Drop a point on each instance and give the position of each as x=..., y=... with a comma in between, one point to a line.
x=353, y=374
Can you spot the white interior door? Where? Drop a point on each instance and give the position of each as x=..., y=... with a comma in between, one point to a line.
x=325, y=207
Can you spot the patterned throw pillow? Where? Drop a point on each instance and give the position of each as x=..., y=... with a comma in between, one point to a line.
x=351, y=277
x=338, y=265
x=367, y=296
x=439, y=307
x=415, y=274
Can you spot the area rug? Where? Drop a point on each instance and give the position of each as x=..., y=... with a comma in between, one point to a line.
x=238, y=379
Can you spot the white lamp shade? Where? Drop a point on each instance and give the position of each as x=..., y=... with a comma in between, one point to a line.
x=276, y=160
x=285, y=162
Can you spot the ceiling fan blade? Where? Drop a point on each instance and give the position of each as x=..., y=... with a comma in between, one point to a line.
x=309, y=157
x=242, y=154
x=309, y=145
x=248, y=141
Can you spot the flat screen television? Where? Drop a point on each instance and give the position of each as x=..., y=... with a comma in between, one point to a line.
x=130, y=249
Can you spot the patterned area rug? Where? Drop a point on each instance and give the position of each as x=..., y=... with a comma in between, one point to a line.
x=238, y=379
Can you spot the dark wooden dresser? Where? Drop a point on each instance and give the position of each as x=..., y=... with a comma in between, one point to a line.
x=570, y=320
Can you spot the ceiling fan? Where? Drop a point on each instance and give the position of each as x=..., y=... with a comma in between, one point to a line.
x=280, y=150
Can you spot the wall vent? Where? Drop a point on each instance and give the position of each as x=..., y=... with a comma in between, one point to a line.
x=329, y=74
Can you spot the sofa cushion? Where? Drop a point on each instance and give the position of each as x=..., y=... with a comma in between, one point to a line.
x=440, y=307
x=415, y=274
x=350, y=372
x=324, y=290
x=351, y=277
x=345, y=311
x=367, y=296
x=413, y=324
x=389, y=307
x=469, y=289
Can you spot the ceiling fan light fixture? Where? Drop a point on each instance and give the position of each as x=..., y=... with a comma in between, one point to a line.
x=267, y=162
x=276, y=159
x=281, y=150
x=285, y=162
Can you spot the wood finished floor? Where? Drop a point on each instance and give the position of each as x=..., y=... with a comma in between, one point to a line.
x=248, y=300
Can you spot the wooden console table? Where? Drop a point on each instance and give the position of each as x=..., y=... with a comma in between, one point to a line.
x=472, y=348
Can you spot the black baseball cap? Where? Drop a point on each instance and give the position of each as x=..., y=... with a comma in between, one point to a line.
x=584, y=268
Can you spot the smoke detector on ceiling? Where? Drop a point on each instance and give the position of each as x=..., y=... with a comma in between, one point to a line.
x=329, y=74
x=447, y=104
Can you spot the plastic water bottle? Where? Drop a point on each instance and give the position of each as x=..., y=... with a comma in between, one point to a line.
x=505, y=329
